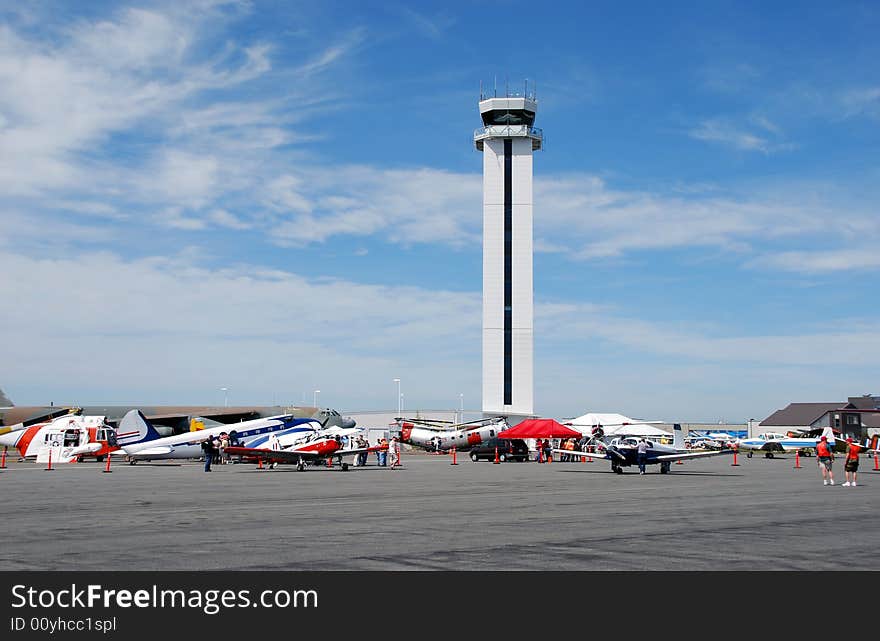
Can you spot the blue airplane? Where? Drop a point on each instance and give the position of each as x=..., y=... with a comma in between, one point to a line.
x=623, y=451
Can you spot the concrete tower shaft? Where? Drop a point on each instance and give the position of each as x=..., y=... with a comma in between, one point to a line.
x=508, y=140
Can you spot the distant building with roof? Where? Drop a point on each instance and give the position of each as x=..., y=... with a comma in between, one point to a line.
x=858, y=416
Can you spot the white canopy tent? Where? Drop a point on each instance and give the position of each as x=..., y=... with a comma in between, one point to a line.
x=616, y=425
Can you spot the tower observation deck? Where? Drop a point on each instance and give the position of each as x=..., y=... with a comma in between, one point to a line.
x=508, y=139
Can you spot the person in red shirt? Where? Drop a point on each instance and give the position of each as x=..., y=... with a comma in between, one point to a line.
x=851, y=465
x=825, y=458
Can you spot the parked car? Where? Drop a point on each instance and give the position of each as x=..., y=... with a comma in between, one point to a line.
x=509, y=449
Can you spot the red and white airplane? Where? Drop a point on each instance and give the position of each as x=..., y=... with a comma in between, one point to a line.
x=439, y=436
x=320, y=446
x=68, y=438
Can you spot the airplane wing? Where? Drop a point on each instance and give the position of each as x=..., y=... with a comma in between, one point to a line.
x=273, y=455
x=153, y=451
x=692, y=454
x=295, y=456
x=597, y=455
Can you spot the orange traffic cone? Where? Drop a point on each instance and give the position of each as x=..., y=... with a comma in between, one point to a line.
x=797, y=460
x=3, y=459
x=259, y=463
x=107, y=467
x=496, y=455
x=453, y=457
x=876, y=461
x=734, y=456
x=49, y=469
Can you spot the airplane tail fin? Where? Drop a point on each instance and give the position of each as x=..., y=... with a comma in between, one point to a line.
x=677, y=436
x=828, y=432
x=4, y=400
x=135, y=428
x=198, y=423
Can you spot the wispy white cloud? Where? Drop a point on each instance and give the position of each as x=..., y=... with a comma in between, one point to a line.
x=861, y=101
x=821, y=261
x=432, y=26
x=722, y=131
x=332, y=54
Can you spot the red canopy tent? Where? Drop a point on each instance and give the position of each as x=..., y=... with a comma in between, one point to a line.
x=539, y=428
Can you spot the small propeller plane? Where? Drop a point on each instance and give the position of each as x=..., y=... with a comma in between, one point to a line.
x=317, y=447
x=774, y=442
x=623, y=451
x=139, y=439
x=442, y=436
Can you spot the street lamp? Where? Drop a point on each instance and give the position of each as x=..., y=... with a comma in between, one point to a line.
x=399, y=396
x=225, y=396
x=461, y=408
x=317, y=391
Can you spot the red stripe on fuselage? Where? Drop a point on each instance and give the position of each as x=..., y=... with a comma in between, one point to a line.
x=26, y=438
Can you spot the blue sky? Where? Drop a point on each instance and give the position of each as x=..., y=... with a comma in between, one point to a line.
x=278, y=197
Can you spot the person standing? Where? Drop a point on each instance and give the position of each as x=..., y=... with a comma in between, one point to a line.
x=210, y=451
x=223, y=443
x=825, y=458
x=642, y=454
x=394, y=451
x=539, y=445
x=851, y=464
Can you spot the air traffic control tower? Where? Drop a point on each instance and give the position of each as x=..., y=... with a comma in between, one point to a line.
x=507, y=139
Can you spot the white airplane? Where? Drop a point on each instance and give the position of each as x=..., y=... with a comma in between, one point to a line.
x=775, y=442
x=139, y=439
x=315, y=447
x=712, y=440
x=439, y=436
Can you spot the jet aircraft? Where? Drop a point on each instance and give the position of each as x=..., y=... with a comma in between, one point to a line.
x=622, y=451
x=439, y=436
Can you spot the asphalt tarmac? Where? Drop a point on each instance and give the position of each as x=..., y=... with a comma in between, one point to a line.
x=430, y=515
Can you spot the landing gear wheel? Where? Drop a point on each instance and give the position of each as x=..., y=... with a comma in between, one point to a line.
x=749, y=455
x=300, y=467
x=474, y=457
x=502, y=457
x=664, y=468
x=345, y=467
x=768, y=455
x=617, y=469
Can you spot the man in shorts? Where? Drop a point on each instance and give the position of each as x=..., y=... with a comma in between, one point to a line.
x=851, y=464
x=825, y=457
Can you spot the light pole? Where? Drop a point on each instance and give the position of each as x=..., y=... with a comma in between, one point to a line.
x=399, y=396
x=461, y=408
x=317, y=391
x=225, y=396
